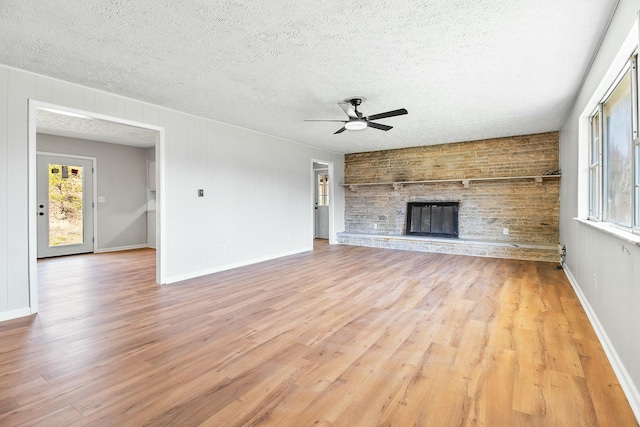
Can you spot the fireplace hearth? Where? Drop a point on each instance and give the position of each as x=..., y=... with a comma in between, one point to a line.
x=436, y=219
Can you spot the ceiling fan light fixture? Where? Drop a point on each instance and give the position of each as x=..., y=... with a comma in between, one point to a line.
x=357, y=121
x=357, y=124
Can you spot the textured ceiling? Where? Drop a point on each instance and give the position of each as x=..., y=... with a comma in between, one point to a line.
x=465, y=69
x=54, y=123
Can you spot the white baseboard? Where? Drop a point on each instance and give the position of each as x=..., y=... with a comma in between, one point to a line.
x=121, y=248
x=181, y=277
x=14, y=314
x=626, y=382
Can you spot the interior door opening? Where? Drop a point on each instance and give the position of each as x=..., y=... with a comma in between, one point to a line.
x=322, y=200
x=81, y=124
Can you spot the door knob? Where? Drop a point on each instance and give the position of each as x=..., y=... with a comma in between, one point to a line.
x=41, y=213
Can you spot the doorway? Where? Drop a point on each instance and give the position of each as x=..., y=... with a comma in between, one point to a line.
x=323, y=192
x=65, y=205
x=100, y=124
x=322, y=201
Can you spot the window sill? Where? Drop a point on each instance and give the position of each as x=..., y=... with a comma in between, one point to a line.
x=612, y=230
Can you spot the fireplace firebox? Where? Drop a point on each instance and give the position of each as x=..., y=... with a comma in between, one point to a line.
x=438, y=219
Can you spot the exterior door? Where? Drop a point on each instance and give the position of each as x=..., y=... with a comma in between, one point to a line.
x=65, y=205
x=322, y=205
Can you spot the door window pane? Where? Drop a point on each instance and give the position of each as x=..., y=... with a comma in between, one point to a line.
x=323, y=190
x=65, y=205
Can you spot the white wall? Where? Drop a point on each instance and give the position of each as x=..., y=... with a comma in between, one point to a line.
x=121, y=173
x=258, y=188
x=614, y=303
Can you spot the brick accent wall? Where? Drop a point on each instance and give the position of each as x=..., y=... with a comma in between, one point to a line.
x=530, y=211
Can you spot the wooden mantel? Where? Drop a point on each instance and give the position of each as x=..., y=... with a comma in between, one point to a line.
x=466, y=182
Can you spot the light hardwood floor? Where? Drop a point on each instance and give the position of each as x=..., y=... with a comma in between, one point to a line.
x=344, y=336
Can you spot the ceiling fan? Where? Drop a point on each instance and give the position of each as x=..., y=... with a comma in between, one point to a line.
x=357, y=121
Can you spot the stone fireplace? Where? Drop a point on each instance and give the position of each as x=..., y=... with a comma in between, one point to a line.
x=505, y=192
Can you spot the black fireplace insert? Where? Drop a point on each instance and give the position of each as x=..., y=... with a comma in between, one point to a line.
x=432, y=219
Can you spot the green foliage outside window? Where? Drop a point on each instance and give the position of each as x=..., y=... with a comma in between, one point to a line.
x=65, y=205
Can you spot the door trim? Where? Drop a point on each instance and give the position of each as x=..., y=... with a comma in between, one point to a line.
x=318, y=208
x=333, y=240
x=94, y=189
x=161, y=235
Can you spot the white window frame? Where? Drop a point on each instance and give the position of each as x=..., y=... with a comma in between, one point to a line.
x=597, y=183
x=628, y=48
x=635, y=142
x=636, y=186
x=595, y=166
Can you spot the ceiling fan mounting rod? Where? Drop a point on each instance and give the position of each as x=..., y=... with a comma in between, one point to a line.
x=355, y=102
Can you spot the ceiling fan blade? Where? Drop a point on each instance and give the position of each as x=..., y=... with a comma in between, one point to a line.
x=348, y=109
x=393, y=113
x=321, y=120
x=379, y=126
x=342, y=129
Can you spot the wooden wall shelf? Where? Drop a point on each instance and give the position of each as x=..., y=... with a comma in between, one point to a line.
x=466, y=182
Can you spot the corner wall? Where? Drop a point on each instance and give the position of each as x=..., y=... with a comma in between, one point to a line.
x=250, y=179
x=604, y=270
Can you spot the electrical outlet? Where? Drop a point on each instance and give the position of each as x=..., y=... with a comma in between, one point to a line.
x=375, y=226
x=595, y=286
x=223, y=248
x=505, y=231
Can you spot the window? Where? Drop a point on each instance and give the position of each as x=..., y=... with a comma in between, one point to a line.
x=617, y=167
x=614, y=174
